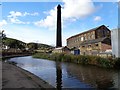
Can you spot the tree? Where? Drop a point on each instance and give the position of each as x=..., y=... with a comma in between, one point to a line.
x=32, y=46
x=13, y=43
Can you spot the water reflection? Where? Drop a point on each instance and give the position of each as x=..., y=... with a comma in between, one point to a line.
x=58, y=76
x=119, y=80
x=96, y=77
x=69, y=75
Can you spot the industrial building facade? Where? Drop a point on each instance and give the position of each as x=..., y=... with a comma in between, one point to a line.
x=92, y=41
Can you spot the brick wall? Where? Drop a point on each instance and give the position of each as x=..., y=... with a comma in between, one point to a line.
x=104, y=47
x=76, y=41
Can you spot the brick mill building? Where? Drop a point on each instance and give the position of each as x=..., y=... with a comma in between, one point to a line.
x=91, y=42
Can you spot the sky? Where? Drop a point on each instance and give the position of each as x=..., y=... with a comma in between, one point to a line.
x=36, y=21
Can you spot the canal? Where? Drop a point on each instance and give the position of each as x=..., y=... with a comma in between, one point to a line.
x=69, y=75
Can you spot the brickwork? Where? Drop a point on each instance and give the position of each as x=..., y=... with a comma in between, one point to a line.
x=105, y=46
x=98, y=34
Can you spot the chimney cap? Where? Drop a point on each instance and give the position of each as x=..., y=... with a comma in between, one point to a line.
x=59, y=6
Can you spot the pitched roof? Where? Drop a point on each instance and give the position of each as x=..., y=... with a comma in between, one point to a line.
x=94, y=41
x=87, y=31
x=61, y=48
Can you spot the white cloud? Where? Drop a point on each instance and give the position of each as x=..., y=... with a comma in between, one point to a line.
x=13, y=17
x=77, y=8
x=14, y=14
x=49, y=21
x=2, y=23
x=30, y=14
x=26, y=13
x=15, y=20
x=72, y=10
x=18, y=14
x=34, y=14
x=97, y=18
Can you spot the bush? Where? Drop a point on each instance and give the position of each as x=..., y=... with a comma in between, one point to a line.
x=117, y=63
x=80, y=59
x=41, y=55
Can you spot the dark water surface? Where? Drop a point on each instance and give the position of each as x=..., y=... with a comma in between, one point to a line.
x=69, y=75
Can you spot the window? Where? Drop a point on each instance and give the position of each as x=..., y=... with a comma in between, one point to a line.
x=89, y=45
x=85, y=38
x=96, y=44
x=92, y=36
x=83, y=46
x=89, y=37
x=82, y=38
x=103, y=33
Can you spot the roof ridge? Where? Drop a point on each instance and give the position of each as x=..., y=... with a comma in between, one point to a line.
x=93, y=40
x=87, y=31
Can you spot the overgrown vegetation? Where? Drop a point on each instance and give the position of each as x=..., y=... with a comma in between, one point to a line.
x=10, y=43
x=13, y=43
x=80, y=59
x=38, y=47
x=12, y=47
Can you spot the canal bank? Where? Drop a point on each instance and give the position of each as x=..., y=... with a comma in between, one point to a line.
x=110, y=63
x=6, y=55
x=12, y=56
x=69, y=75
x=15, y=77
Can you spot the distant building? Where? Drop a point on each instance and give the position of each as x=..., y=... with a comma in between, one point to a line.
x=92, y=41
x=61, y=50
x=5, y=47
x=115, y=37
x=105, y=54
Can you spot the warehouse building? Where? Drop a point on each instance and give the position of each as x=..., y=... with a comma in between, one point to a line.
x=91, y=42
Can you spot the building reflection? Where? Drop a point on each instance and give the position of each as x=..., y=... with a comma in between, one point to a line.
x=58, y=76
x=96, y=77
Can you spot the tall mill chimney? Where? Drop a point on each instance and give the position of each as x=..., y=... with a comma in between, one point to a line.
x=59, y=29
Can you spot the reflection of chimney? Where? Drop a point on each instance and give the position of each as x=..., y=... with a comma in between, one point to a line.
x=58, y=40
x=58, y=76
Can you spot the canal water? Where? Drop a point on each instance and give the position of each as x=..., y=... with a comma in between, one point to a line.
x=69, y=75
